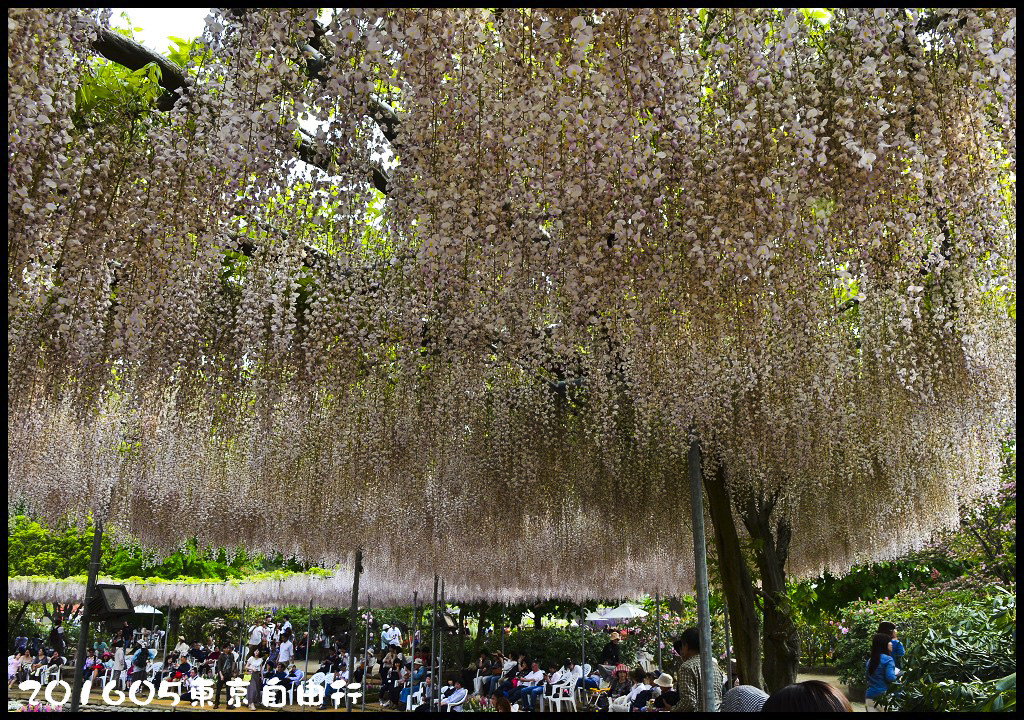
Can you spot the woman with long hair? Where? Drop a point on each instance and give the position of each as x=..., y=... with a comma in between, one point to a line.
x=254, y=667
x=881, y=671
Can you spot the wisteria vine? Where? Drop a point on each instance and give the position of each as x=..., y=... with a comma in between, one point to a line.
x=604, y=231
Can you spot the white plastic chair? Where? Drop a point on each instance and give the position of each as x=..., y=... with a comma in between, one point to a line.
x=560, y=693
x=415, y=698
x=292, y=685
x=449, y=708
x=328, y=690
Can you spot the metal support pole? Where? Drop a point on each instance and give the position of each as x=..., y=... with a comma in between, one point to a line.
x=90, y=589
x=700, y=556
x=657, y=623
x=366, y=647
x=309, y=637
x=440, y=643
x=412, y=632
x=503, y=632
x=354, y=611
x=728, y=642
x=167, y=631
x=433, y=650
x=583, y=644
x=241, y=639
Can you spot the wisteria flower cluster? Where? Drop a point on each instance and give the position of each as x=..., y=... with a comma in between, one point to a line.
x=605, y=233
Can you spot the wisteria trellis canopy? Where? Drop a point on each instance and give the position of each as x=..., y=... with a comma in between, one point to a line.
x=603, y=229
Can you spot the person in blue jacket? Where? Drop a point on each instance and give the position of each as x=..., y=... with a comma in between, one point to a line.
x=895, y=646
x=881, y=671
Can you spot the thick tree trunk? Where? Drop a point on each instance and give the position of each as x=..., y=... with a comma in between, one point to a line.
x=460, y=646
x=12, y=627
x=781, y=641
x=736, y=583
x=478, y=641
x=174, y=625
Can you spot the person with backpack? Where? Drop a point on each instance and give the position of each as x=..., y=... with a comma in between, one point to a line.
x=139, y=662
x=57, y=637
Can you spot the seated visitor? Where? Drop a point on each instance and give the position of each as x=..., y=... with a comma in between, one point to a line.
x=531, y=687
x=455, y=699
x=668, y=696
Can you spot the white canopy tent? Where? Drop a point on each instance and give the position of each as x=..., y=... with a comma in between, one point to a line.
x=146, y=610
x=625, y=611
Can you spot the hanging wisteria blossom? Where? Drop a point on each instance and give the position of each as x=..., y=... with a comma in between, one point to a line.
x=602, y=232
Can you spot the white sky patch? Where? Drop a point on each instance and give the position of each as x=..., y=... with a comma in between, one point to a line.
x=158, y=25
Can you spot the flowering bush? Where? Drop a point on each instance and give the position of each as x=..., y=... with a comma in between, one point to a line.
x=923, y=615
x=641, y=634
x=818, y=640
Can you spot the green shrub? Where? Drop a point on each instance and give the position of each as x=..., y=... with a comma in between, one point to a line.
x=960, y=647
x=552, y=645
x=969, y=665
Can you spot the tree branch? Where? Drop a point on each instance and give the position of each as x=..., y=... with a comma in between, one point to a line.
x=130, y=54
x=125, y=51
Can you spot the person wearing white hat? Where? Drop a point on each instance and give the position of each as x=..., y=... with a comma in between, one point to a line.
x=384, y=637
x=665, y=695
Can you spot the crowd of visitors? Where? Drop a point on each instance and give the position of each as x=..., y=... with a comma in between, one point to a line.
x=272, y=652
